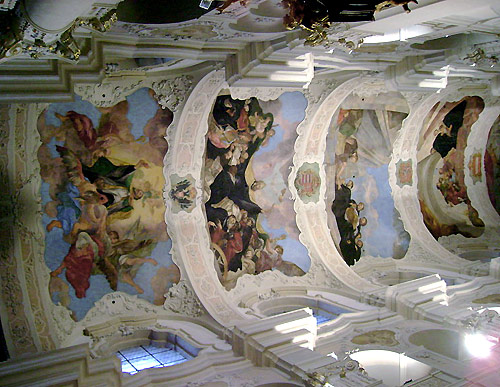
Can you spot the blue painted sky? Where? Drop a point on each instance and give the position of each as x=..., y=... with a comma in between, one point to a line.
x=293, y=106
x=79, y=106
x=56, y=249
x=142, y=107
x=378, y=238
x=294, y=251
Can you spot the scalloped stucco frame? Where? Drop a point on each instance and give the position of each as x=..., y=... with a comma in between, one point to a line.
x=189, y=232
x=424, y=250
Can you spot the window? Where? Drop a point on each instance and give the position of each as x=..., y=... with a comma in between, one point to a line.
x=160, y=350
x=327, y=313
x=139, y=358
x=322, y=317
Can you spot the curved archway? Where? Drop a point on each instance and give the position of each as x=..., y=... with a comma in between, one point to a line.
x=443, y=193
x=310, y=148
x=363, y=220
x=189, y=234
x=424, y=248
x=191, y=241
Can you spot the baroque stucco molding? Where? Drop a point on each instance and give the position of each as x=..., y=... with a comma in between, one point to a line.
x=310, y=147
x=25, y=276
x=170, y=92
x=181, y=299
x=26, y=38
x=200, y=32
x=423, y=249
x=275, y=284
x=191, y=241
x=262, y=93
x=18, y=332
x=32, y=321
x=477, y=142
x=107, y=94
x=403, y=330
x=106, y=339
x=127, y=313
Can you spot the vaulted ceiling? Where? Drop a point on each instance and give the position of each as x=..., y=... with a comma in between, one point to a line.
x=188, y=161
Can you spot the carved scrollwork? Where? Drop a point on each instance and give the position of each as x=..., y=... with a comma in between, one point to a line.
x=170, y=93
x=343, y=372
x=318, y=90
x=482, y=320
x=268, y=295
x=118, y=304
x=106, y=94
x=262, y=93
x=13, y=196
x=25, y=37
x=181, y=299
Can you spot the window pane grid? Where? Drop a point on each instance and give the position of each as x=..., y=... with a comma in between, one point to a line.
x=139, y=358
x=322, y=317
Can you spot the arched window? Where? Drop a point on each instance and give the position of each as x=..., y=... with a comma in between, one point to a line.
x=156, y=353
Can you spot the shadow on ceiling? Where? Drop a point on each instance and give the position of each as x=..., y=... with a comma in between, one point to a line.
x=160, y=11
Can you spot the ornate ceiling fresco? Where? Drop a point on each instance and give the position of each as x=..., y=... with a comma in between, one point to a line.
x=358, y=154
x=218, y=172
x=103, y=203
x=451, y=123
x=278, y=202
x=264, y=188
x=491, y=165
x=249, y=211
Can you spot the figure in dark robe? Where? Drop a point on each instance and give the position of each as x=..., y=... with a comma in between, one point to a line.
x=230, y=183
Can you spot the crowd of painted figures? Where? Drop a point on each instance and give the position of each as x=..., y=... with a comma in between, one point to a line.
x=450, y=143
x=96, y=194
x=345, y=209
x=237, y=129
x=450, y=128
x=349, y=222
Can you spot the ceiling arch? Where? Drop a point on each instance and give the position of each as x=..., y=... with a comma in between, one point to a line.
x=190, y=235
x=423, y=247
x=188, y=231
x=310, y=148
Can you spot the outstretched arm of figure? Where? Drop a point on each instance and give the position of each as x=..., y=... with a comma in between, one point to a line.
x=59, y=270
